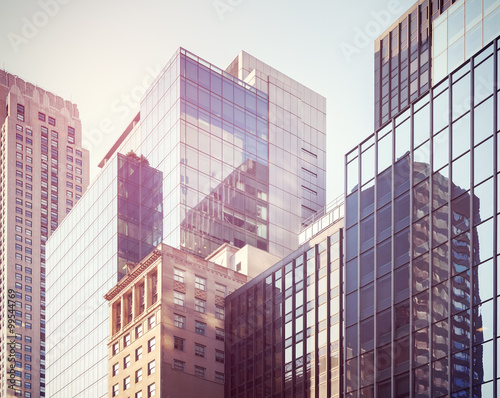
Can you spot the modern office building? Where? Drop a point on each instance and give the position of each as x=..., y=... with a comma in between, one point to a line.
x=43, y=173
x=283, y=328
x=421, y=221
x=241, y=151
x=166, y=326
x=242, y=158
x=118, y=221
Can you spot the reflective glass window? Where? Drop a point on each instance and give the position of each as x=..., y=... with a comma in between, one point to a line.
x=367, y=335
x=366, y=267
x=483, y=201
x=440, y=188
x=384, y=223
x=402, y=248
x=383, y=292
x=483, y=161
x=384, y=152
x=367, y=164
x=461, y=175
x=461, y=96
x=440, y=111
x=384, y=257
x=402, y=283
x=402, y=136
x=461, y=136
x=483, y=121
x=366, y=299
x=440, y=150
x=352, y=175
x=421, y=126
x=421, y=164
x=483, y=241
x=384, y=188
x=402, y=318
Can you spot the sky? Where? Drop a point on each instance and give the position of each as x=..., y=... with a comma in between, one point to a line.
x=103, y=54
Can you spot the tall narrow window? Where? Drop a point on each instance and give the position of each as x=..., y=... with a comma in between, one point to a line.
x=141, y=298
x=154, y=287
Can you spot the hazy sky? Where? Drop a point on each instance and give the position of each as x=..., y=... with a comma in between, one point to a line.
x=102, y=54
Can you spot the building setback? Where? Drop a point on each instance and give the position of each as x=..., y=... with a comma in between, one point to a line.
x=43, y=173
x=421, y=246
x=283, y=328
x=167, y=326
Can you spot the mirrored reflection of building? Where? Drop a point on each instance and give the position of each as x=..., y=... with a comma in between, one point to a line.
x=199, y=124
x=283, y=327
x=421, y=254
x=117, y=221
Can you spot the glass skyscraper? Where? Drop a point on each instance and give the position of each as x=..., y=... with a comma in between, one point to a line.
x=241, y=151
x=421, y=289
x=118, y=221
x=242, y=158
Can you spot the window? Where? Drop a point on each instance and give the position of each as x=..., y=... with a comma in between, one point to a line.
x=219, y=312
x=179, y=275
x=200, y=305
x=52, y=121
x=199, y=350
x=138, y=331
x=41, y=116
x=69, y=158
x=199, y=371
x=126, y=340
x=180, y=321
x=138, y=353
x=79, y=162
x=151, y=390
x=179, y=343
x=126, y=383
x=115, y=369
x=219, y=356
x=151, y=367
x=179, y=298
x=200, y=283
x=152, y=321
x=69, y=175
x=179, y=365
x=151, y=344
x=78, y=153
x=126, y=362
x=219, y=377
x=138, y=394
x=115, y=390
x=200, y=327
x=78, y=170
x=220, y=290
x=138, y=375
